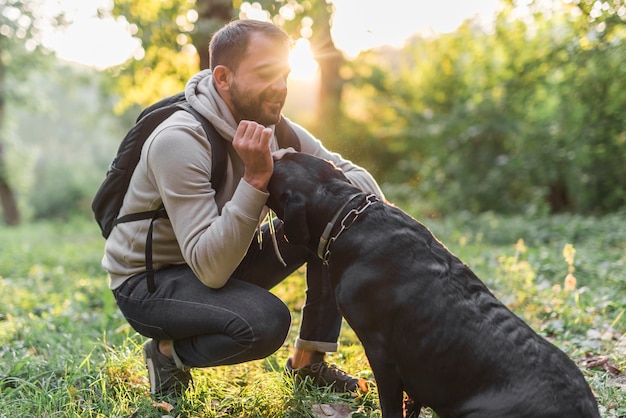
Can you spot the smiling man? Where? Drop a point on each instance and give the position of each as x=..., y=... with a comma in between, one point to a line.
x=210, y=305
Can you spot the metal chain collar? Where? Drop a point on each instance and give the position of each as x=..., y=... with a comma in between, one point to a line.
x=348, y=221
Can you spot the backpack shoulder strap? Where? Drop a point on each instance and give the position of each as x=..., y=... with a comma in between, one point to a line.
x=163, y=103
x=219, y=154
x=286, y=136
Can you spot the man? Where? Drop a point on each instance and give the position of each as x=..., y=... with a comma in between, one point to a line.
x=211, y=305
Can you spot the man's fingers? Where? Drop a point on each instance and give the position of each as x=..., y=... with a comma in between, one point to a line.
x=252, y=133
x=277, y=155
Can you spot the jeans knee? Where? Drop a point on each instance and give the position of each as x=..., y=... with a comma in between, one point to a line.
x=274, y=332
x=284, y=322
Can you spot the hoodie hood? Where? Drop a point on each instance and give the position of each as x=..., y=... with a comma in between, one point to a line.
x=203, y=97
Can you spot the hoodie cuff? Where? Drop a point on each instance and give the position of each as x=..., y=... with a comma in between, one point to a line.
x=249, y=200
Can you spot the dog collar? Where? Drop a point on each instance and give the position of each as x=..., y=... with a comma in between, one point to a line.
x=329, y=227
x=323, y=249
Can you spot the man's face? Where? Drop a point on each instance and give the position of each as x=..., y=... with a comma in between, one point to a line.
x=259, y=86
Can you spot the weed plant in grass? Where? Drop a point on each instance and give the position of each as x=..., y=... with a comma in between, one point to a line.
x=65, y=350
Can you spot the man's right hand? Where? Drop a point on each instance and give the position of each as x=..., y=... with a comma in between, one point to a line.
x=252, y=144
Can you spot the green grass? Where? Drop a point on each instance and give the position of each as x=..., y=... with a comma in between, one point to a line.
x=66, y=351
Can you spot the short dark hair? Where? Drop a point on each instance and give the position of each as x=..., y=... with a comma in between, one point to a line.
x=229, y=44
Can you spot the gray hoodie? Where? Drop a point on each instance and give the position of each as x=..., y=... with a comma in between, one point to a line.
x=209, y=231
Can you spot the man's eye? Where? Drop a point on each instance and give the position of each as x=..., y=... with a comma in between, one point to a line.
x=267, y=75
x=274, y=74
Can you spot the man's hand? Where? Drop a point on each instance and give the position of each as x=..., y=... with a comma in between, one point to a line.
x=252, y=144
x=277, y=155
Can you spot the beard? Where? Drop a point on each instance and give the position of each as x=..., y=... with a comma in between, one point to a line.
x=264, y=108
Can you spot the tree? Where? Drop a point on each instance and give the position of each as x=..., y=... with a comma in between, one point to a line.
x=212, y=15
x=20, y=45
x=7, y=197
x=168, y=58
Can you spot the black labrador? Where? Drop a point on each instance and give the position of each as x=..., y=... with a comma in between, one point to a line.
x=428, y=325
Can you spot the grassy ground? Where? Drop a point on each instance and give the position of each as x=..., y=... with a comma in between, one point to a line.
x=65, y=350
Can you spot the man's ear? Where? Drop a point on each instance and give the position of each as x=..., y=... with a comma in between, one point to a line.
x=222, y=76
x=295, y=219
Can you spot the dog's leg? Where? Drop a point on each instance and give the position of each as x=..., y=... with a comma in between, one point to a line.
x=390, y=388
x=390, y=393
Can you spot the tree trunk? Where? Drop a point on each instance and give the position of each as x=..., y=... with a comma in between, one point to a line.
x=212, y=15
x=558, y=197
x=329, y=59
x=7, y=197
x=9, y=206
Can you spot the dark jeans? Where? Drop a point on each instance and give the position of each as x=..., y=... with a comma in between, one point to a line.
x=241, y=321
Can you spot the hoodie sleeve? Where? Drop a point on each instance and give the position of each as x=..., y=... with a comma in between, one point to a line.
x=212, y=243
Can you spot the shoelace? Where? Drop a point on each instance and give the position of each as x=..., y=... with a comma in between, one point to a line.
x=332, y=369
x=171, y=368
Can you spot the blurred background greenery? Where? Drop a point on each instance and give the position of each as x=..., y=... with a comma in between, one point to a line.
x=523, y=114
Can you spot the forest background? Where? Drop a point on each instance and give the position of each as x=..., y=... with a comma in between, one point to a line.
x=525, y=115
x=508, y=139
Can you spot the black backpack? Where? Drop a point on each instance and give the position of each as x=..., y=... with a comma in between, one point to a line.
x=108, y=200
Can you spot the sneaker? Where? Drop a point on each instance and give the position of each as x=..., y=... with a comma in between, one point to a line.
x=166, y=380
x=324, y=374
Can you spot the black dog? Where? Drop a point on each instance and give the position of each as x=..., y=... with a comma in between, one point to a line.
x=429, y=326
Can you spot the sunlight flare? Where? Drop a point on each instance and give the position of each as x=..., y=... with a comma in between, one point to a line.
x=303, y=65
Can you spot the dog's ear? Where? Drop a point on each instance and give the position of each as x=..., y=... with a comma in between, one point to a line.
x=295, y=219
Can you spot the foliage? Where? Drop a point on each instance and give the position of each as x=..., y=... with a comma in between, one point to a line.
x=20, y=42
x=175, y=37
x=61, y=140
x=168, y=58
x=523, y=117
x=67, y=350
x=20, y=51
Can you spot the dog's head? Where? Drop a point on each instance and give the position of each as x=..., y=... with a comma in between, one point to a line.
x=304, y=192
